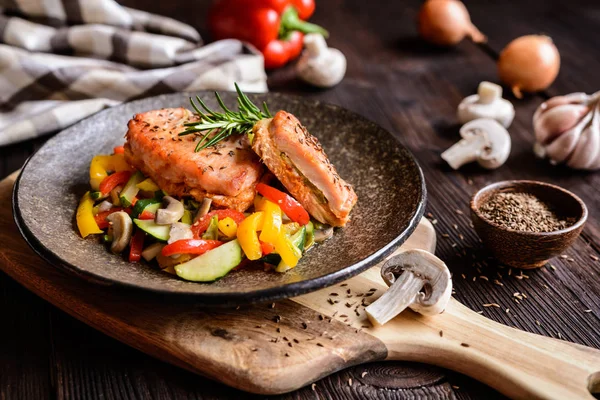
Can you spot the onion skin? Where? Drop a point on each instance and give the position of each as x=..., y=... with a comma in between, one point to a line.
x=529, y=64
x=447, y=23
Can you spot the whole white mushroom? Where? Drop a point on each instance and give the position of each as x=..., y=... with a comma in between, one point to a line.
x=320, y=65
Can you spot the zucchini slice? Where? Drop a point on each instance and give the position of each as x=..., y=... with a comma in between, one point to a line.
x=213, y=264
x=160, y=232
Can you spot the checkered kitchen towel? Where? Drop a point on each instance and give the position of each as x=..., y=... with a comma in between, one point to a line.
x=63, y=60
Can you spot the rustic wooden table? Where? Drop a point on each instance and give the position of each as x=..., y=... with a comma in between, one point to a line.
x=412, y=90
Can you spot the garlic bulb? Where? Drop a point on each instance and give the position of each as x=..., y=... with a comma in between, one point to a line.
x=567, y=130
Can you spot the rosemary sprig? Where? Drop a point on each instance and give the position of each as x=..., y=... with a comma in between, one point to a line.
x=221, y=125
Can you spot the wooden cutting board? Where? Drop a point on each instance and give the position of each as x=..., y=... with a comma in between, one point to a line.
x=274, y=349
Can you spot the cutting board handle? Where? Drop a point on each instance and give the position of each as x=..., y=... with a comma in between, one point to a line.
x=519, y=364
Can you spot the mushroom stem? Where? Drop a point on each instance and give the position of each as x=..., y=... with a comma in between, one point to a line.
x=466, y=150
x=315, y=45
x=418, y=280
x=396, y=299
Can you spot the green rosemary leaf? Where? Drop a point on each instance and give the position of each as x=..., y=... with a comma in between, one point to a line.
x=266, y=108
x=215, y=126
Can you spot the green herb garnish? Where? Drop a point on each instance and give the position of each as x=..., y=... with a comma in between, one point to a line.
x=226, y=123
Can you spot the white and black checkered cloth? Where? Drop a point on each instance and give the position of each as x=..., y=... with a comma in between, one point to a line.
x=63, y=60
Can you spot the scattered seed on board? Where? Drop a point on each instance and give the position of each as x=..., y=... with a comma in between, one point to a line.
x=492, y=305
x=595, y=258
x=313, y=386
x=464, y=345
x=363, y=374
x=587, y=311
x=441, y=333
x=349, y=381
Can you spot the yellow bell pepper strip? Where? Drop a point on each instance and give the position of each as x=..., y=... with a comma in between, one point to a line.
x=228, y=227
x=102, y=164
x=272, y=224
x=289, y=253
x=148, y=185
x=247, y=236
x=85, y=218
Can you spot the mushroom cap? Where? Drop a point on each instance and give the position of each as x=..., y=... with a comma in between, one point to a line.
x=437, y=282
x=122, y=230
x=500, y=110
x=320, y=65
x=497, y=142
x=172, y=212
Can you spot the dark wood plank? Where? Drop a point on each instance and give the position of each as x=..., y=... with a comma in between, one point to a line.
x=25, y=371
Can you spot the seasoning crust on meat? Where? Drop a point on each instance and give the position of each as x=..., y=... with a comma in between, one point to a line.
x=297, y=159
x=226, y=172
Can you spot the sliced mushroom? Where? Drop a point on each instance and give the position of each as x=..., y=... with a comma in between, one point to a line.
x=105, y=206
x=122, y=228
x=487, y=103
x=483, y=140
x=172, y=212
x=418, y=280
x=152, y=251
x=204, y=208
x=322, y=235
x=179, y=231
x=320, y=65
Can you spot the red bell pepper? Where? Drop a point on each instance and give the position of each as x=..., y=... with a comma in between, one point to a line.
x=287, y=203
x=119, y=150
x=275, y=27
x=136, y=245
x=100, y=218
x=200, y=226
x=190, y=246
x=267, y=248
x=114, y=180
x=146, y=215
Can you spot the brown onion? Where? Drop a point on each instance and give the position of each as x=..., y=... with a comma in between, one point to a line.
x=446, y=23
x=529, y=64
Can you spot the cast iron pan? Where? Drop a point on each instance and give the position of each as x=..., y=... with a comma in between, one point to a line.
x=389, y=184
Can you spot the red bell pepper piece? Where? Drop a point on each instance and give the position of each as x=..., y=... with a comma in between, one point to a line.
x=190, y=246
x=266, y=24
x=200, y=226
x=287, y=203
x=119, y=150
x=101, y=216
x=136, y=245
x=267, y=248
x=146, y=215
x=305, y=8
x=114, y=180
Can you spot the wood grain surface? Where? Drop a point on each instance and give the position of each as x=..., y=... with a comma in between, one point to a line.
x=412, y=90
x=278, y=348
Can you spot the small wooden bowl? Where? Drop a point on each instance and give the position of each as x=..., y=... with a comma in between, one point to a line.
x=528, y=250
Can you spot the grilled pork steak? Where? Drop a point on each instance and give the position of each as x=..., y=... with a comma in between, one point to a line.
x=227, y=172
